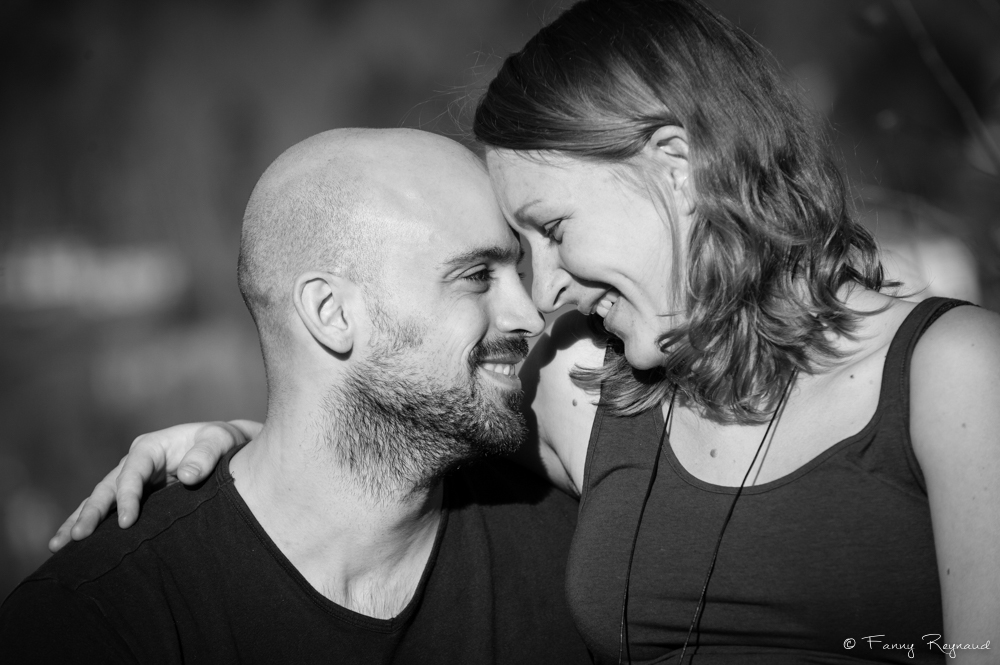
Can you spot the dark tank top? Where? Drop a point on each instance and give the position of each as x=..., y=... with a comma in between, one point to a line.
x=840, y=549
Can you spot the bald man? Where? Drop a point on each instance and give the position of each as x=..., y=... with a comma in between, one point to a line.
x=383, y=283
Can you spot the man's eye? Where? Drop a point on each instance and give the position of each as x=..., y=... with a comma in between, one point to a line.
x=483, y=275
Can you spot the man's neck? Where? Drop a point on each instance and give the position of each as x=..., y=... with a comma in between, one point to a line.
x=364, y=552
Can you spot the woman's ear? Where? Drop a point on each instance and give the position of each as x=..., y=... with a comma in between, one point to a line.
x=328, y=307
x=668, y=147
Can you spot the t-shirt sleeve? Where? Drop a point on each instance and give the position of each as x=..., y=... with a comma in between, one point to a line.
x=43, y=621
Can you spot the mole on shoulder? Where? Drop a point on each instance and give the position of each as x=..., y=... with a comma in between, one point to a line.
x=574, y=402
x=712, y=452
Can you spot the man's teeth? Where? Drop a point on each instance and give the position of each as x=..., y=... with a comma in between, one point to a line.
x=506, y=369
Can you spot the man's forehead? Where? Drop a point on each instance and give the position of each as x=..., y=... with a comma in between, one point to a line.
x=463, y=232
x=437, y=245
x=465, y=219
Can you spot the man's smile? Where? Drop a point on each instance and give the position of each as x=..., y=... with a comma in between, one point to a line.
x=497, y=360
x=506, y=369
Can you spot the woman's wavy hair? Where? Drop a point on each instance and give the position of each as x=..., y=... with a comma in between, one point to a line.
x=772, y=240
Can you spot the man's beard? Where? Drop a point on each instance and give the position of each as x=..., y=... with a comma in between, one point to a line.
x=398, y=431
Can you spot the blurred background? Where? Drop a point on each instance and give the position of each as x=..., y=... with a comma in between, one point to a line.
x=132, y=135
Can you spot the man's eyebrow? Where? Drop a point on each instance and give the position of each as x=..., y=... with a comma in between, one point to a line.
x=504, y=254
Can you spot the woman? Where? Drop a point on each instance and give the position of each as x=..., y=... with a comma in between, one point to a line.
x=787, y=464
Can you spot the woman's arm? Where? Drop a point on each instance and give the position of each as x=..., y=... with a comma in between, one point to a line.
x=184, y=452
x=558, y=413
x=955, y=429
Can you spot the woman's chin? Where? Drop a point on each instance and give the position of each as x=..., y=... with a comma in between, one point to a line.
x=643, y=356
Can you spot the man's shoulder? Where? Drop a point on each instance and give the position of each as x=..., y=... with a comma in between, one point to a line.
x=107, y=592
x=43, y=621
x=173, y=519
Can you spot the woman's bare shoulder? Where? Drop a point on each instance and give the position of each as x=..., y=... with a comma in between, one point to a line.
x=962, y=330
x=955, y=383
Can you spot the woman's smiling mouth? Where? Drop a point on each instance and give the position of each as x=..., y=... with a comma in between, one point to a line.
x=604, y=305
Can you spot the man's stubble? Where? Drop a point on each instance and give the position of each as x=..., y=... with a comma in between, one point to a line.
x=398, y=429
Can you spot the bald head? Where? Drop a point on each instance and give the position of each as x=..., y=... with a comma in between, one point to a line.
x=331, y=202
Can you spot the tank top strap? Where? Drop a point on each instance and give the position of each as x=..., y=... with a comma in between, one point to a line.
x=893, y=412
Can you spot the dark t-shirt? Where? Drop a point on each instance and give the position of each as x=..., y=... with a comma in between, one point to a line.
x=198, y=580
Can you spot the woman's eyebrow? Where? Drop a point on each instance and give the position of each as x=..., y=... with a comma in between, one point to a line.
x=522, y=212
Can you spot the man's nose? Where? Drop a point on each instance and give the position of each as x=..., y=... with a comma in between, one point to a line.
x=518, y=314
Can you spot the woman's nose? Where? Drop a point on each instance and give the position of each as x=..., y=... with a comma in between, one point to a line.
x=549, y=282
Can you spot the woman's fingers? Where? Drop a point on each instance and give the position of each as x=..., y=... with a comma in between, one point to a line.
x=144, y=460
x=212, y=441
x=63, y=536
x=89, y=513
x=93, y=511
x=187, y=452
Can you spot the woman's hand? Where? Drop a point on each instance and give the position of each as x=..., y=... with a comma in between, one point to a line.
x=187, y=453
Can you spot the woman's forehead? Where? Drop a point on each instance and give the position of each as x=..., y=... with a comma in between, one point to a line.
x=516, y=173
x=528, y=179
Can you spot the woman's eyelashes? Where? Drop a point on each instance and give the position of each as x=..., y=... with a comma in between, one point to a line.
x=553, y=230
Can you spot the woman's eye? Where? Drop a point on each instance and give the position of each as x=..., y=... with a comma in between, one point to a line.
x=551, y=230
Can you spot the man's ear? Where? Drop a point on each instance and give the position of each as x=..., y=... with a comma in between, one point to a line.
x=328, y=307
x=668, y=147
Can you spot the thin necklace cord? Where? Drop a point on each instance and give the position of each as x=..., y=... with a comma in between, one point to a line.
x=623, y=627
x=732, y=506
x=623, y=645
